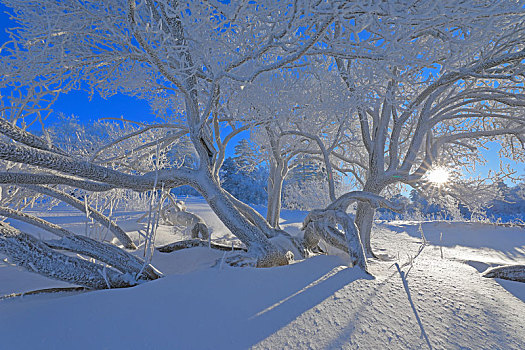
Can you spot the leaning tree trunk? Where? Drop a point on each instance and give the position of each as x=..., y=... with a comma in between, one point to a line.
x=106, y=253
x=259, y=246
x=508, y=272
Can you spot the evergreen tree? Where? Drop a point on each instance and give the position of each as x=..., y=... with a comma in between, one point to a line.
x=245, y=156
x=247, y=186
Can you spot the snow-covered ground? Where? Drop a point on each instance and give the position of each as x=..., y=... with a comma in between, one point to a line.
x=435, y=299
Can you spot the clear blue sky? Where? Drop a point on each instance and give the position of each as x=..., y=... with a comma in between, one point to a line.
x=79, y=104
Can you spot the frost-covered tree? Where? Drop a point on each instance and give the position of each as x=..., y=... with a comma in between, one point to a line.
x=432, y=84
x=307, y=186
x=245, y=185
x=243, y=176
x=185, y=58
x=428, y=82
x=245, y=156
x=300, y=116
x=511, y=205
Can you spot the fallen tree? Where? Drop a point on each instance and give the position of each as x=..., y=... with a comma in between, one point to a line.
x=509, y=272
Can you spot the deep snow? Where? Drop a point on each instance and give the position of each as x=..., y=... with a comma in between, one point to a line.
x=430, y=301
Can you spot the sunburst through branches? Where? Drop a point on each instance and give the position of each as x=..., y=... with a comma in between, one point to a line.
x=438, y=176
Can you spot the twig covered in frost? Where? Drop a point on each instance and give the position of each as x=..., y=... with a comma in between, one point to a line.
x=105, y=276
x=441, y=244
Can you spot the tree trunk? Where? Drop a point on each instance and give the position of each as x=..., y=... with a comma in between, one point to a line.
x=275, y=189
x=195, y=242
x=509, y=272
x=253, y=237
x=364, y=219
x=107, y=253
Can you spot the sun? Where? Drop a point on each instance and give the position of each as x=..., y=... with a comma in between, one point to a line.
x=438, y=176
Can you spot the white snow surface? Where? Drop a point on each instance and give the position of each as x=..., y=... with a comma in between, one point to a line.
x=439, y=300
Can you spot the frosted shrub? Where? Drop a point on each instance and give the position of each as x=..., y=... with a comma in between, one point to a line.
x=306, y=195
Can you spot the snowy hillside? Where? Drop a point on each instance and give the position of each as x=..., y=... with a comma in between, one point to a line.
x=436, y=299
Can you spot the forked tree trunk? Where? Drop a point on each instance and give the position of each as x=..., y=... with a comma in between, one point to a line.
x=325, y=223
x=364, y=218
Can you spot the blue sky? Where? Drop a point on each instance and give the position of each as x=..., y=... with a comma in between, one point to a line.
x=78, y=103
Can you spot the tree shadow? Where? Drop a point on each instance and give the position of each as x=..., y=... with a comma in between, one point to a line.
x=286, y=309
x=424, y=335
x=346, y=332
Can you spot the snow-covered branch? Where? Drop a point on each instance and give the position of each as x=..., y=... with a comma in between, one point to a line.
x=51, y=179
x=26, y=251
x=106, y=253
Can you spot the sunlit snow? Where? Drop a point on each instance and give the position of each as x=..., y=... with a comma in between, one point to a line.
x=437, y=298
